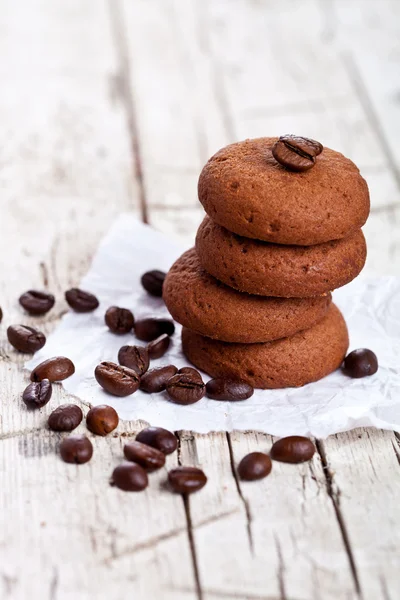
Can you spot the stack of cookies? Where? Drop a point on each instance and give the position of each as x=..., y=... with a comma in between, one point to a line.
x=283, y=229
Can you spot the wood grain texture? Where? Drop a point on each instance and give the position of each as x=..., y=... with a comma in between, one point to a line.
x=115, y=106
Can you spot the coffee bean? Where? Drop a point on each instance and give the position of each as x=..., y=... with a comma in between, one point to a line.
x=159, y=438
x=76, y=449
x=155, y=380
x=25, y=339
x=130, y=477
x=119, y=320
x=37, y=394
x=191, y=371
x=158, y=347
x=185, y=389
x=148, y=330
x=228, y=389
x=360, y=363
x=102, y=419
x=37, y=303
x=152, y=281
x=81, y=301
x=147, y=457
x=255, y=465
x=134, y=357
x=117, y=380
x=65, y=417
x=54, y=369
x=186, y=480
x=1, y=315
x=293, y=449
x=296, y=153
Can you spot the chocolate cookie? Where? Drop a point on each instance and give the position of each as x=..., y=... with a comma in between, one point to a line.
x=244, y=189
x=274, y=270
x=198, y=301
x=290, y=362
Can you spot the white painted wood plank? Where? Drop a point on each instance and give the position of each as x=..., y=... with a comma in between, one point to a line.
x=363, y=466
x=290, y=518
x=66, y=533
x=65, y=155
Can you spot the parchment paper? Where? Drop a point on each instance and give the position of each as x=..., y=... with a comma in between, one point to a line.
x=337, y=403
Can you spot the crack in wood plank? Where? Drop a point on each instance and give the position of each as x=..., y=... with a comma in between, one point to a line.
x=335, y=498
x=281, y=571
x=370, y=112
x=396, y=449
x=150, y=543
x=124, y=88
x=241, y=496
x=45, y=274
x=54, y=585
x=385, y=591
x=186, y=503
x=189, y=526
x=213, y=593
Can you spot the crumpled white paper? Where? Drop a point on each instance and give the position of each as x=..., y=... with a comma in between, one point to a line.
x=337, y=403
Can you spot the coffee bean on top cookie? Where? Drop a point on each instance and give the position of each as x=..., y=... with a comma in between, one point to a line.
x=267, y=269
x=296, y=153
x=244, y=189
x=203, y=304
x=291, y=362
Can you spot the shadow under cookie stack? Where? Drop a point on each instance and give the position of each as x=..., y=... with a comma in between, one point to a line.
x=283, y=229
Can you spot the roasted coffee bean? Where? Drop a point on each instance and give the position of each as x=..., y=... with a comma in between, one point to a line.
x=185, y=388
x=54, y=369
x=119, y=320
x=81, y=301
x=293, y=449
x=147, y=457
x=134, y=357
x=37, y=303
x=1, y=315
x=65, y=417
x=159, y=438
x=130, y=477
x=152, y=281
x=37, y=394
x=158, y=347
x=186, y=480
x=102, y=419
x=117, y=380
x=228, y=389
x=25, y=339
x=296, y=153
x=148, y=330
x=255, y=465
x=360, y=363
x=155, y=380
x=190, y=371
x=76, y=449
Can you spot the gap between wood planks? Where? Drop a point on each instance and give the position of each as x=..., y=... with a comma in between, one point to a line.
x=125, y=90
x=335, y=498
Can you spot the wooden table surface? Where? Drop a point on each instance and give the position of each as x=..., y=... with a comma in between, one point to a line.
x=114, y=106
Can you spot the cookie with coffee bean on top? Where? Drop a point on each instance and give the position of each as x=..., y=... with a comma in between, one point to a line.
x=257, y=194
